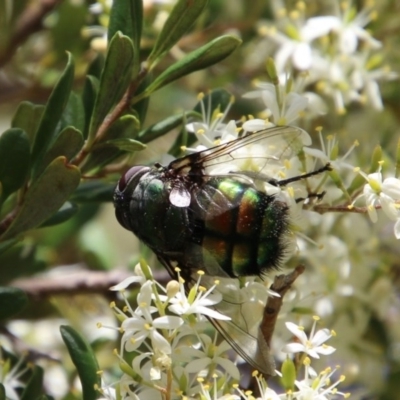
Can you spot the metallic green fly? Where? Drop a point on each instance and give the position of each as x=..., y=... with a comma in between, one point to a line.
x=209, y=211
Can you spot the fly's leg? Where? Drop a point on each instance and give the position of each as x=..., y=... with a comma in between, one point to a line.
x=284, y=182
x=317, y=196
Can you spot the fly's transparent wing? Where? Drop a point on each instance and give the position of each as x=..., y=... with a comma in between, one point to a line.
x=249, y=153
x=245, y=310
x=242, y=332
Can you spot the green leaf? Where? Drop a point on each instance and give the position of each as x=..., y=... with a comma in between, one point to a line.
x=127, y=17
x=74, y=113
x=53, y=111
x=2, y=392
x=90, y=91
x=93, y=192
x=45, y=196
x=125, y=144
x=84, y=360
x=96, y=66
x=114, y=80
x=34, y=387
x=140, y=108
x=7, y=244
x=14, y=160
x=67, y=211
x=181, y=18
x=125, y=127
x=207, y=55
x=27, y=117
x=162, y=127
x=67, y=144
x=12, y=300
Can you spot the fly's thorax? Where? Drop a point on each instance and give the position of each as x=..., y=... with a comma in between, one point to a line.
x=245, y=230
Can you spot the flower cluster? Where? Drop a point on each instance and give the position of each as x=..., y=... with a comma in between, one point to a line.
x=382, y=193
x=167, y=336
x=341, y=57
x=318, y=60
x=167, y=349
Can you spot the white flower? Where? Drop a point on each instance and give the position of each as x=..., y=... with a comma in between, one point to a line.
x=365, y=76
x=350, y=29
x=319, y=388
x=379, y=192
x=295, y=43
x=284, y=107
x=266, y=393
x=212, y=130
x=142, y=325
x=10, y=377
x=328, y=154
x=208, y=357
x=213, y=392
x=198, y=301
x=313, y=345
x=137, y=277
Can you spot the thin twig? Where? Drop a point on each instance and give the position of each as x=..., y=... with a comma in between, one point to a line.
x=75, y=280
x=281, y=285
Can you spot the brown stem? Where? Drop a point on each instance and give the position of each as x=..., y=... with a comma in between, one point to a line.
x=322, y=209
x=118, y=110
x=7, y=221
x=78, y=281
x=281, y=285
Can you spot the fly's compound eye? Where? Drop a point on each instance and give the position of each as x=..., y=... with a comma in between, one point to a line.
x=130, y=174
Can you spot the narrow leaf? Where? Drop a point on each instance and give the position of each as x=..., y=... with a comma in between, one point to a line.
x=27, y=117
x=84, y=360
x=96, y=66
x=140, y=108
x=114, y=80
x=90, y=91
x=7, y=244
x=12, y=300
x=14, y=160
x=45, y=196
x=125, y=144
x=2, y=392
x=74, y=113
x=125, y=127
x=67, y=144
x=181, y=18
x=93, y=192
x=53, y=111
x=34, y=387
x=127, y=17
x=162, y=127
x=207, y=55
x=67, y=211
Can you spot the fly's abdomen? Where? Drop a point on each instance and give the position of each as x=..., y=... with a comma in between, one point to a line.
x=248, y=235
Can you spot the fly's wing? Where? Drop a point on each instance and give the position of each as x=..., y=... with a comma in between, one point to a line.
x=242, y=331
x=270, y=144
